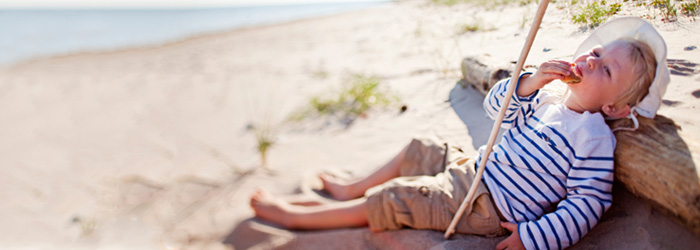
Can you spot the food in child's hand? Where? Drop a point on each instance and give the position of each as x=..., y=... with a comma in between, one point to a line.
x=572, y=77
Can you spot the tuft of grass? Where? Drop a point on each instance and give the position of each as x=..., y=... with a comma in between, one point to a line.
x=448, y=2
x=466, y=28
x=691, y=8
x=474, y=26
x=360, y=94
x=265, y=137
x=87, y=225
x=668, y=10
x=595, y=13
x=483, y=3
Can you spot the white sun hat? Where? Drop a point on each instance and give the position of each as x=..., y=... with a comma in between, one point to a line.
x=639, y=29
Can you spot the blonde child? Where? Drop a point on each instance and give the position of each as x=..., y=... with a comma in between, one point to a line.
x=548, y=181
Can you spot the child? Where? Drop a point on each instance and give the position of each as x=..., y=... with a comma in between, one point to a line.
x=552, y=172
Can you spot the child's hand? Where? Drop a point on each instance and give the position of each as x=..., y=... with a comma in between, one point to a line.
x=550, y=71
x=513, y=241
x=547, y=72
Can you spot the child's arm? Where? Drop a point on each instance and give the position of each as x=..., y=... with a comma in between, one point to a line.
x=589, y=195
x=519, y=107
x=526, y=97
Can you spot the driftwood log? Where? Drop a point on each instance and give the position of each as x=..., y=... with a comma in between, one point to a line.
x=660, y=163
x=657, y=162
x=482, y=72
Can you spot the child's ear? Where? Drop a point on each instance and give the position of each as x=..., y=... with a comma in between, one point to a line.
x=616, y=112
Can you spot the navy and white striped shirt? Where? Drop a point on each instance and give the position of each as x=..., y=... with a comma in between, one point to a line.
x=552, y=171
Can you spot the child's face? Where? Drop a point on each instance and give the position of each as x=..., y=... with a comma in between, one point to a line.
x=606, y=72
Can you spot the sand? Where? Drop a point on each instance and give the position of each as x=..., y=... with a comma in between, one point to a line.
x=152, y=147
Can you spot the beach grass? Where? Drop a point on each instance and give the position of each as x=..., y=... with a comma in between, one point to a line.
x=475, y=25
x=691, y=8
x=484, y=3
x=265, y=137
x=595, y=13
x=87, y=225
x=360, y=94
x=667, y=8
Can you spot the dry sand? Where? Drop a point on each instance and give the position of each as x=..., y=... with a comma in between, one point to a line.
x=149, y=148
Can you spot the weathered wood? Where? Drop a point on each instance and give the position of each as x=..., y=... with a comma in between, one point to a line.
x=660, y=163
x=480, y=72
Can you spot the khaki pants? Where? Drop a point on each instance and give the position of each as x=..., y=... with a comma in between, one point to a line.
x=427, y=195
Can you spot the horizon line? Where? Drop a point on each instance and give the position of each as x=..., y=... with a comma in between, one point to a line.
x=169, y=5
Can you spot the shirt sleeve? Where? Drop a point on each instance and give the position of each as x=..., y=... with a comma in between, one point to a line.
x=519, y=107
x=589, y=195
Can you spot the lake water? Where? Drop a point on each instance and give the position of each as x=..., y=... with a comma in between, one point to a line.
x=26, y=34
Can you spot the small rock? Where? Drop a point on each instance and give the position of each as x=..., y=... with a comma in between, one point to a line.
x=250, y=126
x=404, y=108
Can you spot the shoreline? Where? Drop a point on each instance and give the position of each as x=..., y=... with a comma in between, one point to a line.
x=185, y=38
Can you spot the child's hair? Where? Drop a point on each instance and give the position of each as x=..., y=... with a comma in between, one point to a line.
x=644, y=61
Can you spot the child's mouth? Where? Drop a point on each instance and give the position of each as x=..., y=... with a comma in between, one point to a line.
x=577, y=71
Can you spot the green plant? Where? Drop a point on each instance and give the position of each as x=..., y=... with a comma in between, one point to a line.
x=87, y=226
x=667, y=8
x=614, y=8
x=449, y=2
x=360, y=94
x=483, y=3
x=593, y=14
x=265, y=136
x=691, y=9
x=474, y=26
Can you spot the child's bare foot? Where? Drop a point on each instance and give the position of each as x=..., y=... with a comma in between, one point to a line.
x=267, y=207
x=338, y=188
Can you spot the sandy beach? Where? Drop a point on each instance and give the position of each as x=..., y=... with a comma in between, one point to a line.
x=153, y=147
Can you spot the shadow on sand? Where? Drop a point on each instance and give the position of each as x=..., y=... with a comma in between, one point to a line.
x=255, y=234
x=467, y=102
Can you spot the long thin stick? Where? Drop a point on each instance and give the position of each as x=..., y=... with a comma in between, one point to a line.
x=497, y=124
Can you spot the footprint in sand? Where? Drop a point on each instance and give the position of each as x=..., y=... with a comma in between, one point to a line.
x=670, y=103
x=696, y=93
x=683, y=67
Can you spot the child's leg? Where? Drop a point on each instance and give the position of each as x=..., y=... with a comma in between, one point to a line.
x=346, y=190
x=325, y=216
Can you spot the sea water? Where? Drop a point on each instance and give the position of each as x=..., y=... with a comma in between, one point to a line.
x=32, y=33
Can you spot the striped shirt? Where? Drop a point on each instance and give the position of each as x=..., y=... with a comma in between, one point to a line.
x=552, y=172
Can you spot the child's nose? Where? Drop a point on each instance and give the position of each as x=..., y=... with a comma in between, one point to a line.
x=591, y=62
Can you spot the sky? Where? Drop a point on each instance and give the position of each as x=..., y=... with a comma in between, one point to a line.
x=154, y=3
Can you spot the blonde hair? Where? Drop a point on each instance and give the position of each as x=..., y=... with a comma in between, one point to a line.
x=644, y=63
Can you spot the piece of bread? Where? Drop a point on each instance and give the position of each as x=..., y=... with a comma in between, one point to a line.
x=572, y=77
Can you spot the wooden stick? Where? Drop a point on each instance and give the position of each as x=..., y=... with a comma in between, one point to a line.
x=497, y=124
